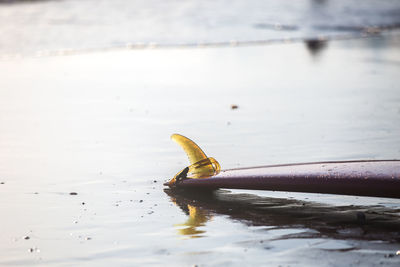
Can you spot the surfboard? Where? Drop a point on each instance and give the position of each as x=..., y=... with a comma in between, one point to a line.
x=376, y=178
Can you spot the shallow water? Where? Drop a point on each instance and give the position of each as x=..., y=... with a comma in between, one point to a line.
x=42, y=27
x=98, y=124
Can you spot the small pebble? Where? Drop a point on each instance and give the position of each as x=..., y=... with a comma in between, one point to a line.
x=234, y=106
x=73, y=193
x=141, y=200
x=26, y=237
x=1, y=182
x=88, y=238
x=31, y=250
x=155, y=181
x=83, y=203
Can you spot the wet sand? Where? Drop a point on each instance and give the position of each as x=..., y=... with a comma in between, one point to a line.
x=98, y=125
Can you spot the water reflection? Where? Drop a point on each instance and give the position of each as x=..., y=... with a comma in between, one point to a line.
x=339, y=222
x=197, y=218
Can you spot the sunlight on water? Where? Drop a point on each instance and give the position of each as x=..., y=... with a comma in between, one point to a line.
x=53, y=27
x=85, y=139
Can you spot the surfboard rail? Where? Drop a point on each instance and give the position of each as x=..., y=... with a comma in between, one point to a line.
x=376, y=178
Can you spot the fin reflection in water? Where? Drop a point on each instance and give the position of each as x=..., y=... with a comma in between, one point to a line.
x=197, y=218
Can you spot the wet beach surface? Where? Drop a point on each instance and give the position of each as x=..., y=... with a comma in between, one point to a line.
x=85, y=148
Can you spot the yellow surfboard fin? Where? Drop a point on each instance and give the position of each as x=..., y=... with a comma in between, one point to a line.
x=201, y=165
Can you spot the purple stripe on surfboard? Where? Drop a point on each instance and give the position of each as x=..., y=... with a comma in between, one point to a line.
x=378, y=178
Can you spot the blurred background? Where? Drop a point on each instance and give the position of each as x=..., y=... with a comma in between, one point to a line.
x=34, y=27
x=90, y=92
